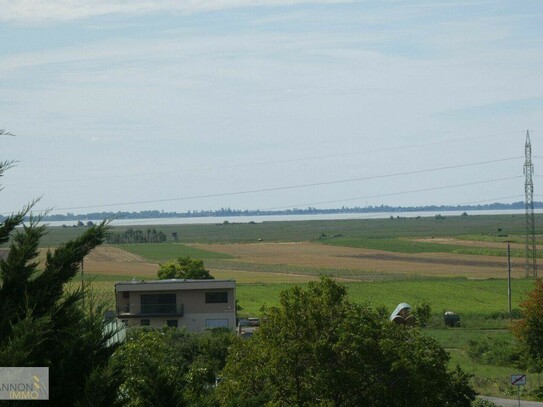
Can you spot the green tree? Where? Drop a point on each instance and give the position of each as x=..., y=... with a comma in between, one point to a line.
x=422, y=312
x=318, y=349
x=184, y=268
x=42, y=324
x=529, y=330
x=170, y=367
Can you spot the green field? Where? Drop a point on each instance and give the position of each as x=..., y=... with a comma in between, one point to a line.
x=493, y=226
x=402, y=245
x=163, y=252
x=474, y=300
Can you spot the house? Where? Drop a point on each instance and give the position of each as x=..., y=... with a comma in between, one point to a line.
x=196, y=305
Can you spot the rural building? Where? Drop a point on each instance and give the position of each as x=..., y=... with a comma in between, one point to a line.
x=196, y=305
x=402, y=314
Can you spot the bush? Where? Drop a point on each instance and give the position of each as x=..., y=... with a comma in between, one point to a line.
x=423, y=313
x=494, y=351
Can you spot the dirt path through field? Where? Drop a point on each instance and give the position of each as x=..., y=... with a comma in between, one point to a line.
x=470, y=243
x=323, y=256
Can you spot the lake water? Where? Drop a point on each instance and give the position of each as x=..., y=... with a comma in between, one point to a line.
x=276, y=218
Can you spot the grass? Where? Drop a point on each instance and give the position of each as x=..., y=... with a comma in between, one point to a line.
x=402, y=245
x=490, y=380
x=362, y=275
x=297, y=231
x=474, y=300
x=163, y=252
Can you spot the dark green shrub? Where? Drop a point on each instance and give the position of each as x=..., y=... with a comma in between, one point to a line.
x=494, y=351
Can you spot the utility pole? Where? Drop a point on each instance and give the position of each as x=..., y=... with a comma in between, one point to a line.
x=531, y=266
x=509, y=279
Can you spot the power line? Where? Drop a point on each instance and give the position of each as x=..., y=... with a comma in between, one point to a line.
x=282, y=188
x=393, y=193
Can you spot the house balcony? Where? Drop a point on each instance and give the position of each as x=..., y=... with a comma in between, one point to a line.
x=150, y=310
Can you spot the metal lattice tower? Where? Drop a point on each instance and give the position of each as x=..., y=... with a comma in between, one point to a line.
x=531, y=265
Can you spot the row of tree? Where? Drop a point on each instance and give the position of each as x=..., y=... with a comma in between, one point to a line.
x=155, y=214
x=135, y=236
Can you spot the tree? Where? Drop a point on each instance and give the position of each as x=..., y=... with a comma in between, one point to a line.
x=171, y=367
x=422, y=311
x=318, y=349
x=529, y=330
x=184, y=268
x=42, y=324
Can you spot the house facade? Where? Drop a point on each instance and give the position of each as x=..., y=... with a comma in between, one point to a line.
x=196, y=305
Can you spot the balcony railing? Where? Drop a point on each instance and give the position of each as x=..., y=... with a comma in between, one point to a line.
x=150, y=309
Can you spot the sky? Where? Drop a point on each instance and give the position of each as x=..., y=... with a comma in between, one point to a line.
x=268, y=104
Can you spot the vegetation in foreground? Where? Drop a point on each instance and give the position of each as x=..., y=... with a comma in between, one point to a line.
x=43, y=325
x=319, y=349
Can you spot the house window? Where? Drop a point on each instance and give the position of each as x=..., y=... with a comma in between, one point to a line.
x=216, y=297
x=158, y=303
x=126, y=294
x=125, y=322
x=216, y=323
x=145, y=322
x=172, y=323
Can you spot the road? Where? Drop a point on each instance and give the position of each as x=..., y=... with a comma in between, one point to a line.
x=512, y=403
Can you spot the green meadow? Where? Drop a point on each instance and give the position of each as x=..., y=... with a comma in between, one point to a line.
x=402, y=245
x=494, y=227
x=163, y=252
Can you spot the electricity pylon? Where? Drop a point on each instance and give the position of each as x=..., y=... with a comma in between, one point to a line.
x=531, y=265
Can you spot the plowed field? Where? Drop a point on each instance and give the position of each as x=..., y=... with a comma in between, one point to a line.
x=323, y=256
x=115, y=261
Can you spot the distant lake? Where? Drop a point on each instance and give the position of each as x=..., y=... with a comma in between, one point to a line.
x=282, y=218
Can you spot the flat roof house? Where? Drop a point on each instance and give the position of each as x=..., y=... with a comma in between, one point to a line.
x=196, y=305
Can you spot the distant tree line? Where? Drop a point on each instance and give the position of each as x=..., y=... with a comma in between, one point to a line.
x=135, y=236
x=155, y=214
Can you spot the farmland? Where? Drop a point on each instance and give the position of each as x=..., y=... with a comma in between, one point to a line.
x=456, y=263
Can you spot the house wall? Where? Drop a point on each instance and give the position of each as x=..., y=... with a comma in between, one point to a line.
x=193, y=323
x=196, y=313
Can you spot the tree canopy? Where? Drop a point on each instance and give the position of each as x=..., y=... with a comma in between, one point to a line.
x=529, y=330
x=184, y=268
x=170, y=367
x=318, y=349
x=42, y=324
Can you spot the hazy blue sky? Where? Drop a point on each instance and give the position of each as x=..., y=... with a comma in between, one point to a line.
x=178, y=105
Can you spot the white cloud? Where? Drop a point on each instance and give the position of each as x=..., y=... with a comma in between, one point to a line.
x=34, y=11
